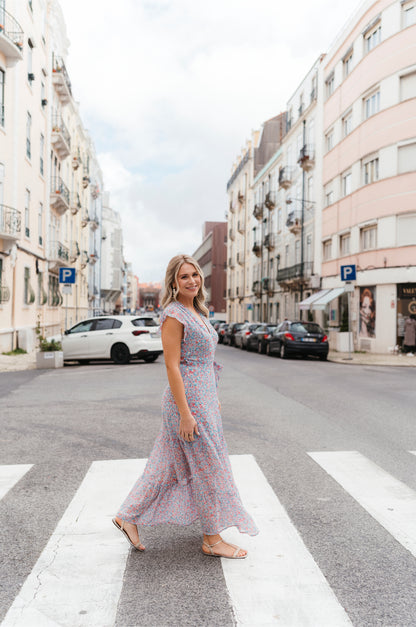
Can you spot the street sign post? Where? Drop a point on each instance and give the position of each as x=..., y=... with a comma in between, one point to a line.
x=348, y=274
x=67, y=277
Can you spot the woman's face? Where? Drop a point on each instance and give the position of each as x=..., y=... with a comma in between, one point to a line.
x=189, y=281
x=366, y=307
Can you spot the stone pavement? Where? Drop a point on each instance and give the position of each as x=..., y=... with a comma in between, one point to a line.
x=10, y=363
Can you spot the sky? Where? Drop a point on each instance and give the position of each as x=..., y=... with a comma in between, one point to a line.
x=170, y=91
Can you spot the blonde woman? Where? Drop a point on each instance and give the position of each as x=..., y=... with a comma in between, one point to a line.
x=188, y=475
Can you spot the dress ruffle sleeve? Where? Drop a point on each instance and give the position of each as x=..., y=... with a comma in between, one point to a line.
x=174, y=311
x=217, y=370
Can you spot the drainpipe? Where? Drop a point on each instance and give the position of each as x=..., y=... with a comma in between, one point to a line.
x=302, y=273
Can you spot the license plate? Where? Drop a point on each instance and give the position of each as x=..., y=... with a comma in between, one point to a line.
x=308, y=339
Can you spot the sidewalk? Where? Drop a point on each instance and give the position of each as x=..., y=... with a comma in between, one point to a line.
x=11, y=363
x=372, y=359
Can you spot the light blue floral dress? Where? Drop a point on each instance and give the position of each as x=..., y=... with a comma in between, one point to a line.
x=187, y=481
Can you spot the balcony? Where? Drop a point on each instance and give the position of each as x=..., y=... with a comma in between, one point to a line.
x=76, y=160
x=231, y=263
x=231, y=234
x=270, y=200
x=84, y=259
x=60, y=138
x=269, y=241
x=240, y=258
x=299, y=273
x=269, y=286
x=60, y=80
x=258, y=211
x=307, y=157
x=240, y=226
x=257, y=288
x=94, y=222
x=93, y=257
x=232, y=207
x=58, y=255
x=95, y=190
x=257, y=249
x=86, y=178
x=286, y=177
x=240, y=198
x=4, y=294
x=11, y=38
x=75, y=252
x=75, y=203
x=294, y=221
x=60, y=200
x=10, y=224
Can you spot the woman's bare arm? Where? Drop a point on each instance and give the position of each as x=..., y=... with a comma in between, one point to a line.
x=172, y=333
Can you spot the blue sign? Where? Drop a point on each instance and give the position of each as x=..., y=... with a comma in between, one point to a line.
x=66, y=275
x=348, y=273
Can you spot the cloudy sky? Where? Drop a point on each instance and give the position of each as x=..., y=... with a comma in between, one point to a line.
x=171, y=89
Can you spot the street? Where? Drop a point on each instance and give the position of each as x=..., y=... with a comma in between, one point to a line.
x=324, y=455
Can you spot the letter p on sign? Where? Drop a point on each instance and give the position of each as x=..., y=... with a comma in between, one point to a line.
x=66, y=275
x=348, y=273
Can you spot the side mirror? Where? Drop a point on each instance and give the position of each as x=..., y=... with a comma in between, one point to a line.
x=66, y=332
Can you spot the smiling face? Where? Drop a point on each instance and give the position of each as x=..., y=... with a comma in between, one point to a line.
x=366, y=308
x=188, y=281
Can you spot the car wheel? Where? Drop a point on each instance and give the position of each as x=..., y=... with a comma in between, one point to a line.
x=268, y=351
x=150, y=359
x=83, y=362
x=120, y=354
x=283, y=351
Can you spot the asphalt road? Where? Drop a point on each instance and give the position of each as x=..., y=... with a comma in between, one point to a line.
x=279, y=411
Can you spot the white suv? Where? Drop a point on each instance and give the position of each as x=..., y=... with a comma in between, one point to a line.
x=119, y=338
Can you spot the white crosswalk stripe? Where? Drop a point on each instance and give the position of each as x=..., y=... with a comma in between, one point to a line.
x=10, y=475
x=389, y=501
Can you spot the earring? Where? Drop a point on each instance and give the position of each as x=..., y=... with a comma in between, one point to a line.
x=174, y=292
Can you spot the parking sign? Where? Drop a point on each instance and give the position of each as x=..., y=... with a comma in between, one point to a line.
x=348, y=273
x=66, y=275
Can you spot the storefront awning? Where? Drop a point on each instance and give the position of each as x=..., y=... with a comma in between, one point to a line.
x=322, y=302
x=306, y=304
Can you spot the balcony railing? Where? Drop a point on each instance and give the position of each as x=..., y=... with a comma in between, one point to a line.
x=84, y=258
x=61, y=138
x=269, y=241
x=75, y=203
x=257, y=288
x=93, y=256
x=10, y=223
x=300, y=271
x=285, y=177
x=240, y=198
x=60, y=198
x=269, y=286
x=4, y=294
x=307, y=157
x=59, y=254
x=11, y=37
x=94, y=222
x=270, y=200
x=61, y=80
x=294, y=221
x=257, y=249
x=75, y=251
x=258, y=211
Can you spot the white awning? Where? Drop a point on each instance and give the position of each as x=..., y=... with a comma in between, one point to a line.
x=322, y=302
x=306, y=304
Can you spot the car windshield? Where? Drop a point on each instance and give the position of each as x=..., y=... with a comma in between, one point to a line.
x=144, y=322
x=305, y=327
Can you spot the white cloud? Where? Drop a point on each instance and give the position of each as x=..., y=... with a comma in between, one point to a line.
x=170, y=90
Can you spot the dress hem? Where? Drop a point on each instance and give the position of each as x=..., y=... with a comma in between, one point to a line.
x=191, y=522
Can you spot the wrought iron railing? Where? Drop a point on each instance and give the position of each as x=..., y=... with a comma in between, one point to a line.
x=299, y=270
x=58, y=126
x=10, y=221
x=58, y=187
x=58, y=67
x=59, y=251
x=10, y=28
x=4, y=294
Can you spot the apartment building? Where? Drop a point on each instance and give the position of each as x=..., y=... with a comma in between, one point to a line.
x=50, y=180
x=212, y=258
x=111, y=256
x=369, y=165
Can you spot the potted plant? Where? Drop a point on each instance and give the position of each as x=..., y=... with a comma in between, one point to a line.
x=50, y=354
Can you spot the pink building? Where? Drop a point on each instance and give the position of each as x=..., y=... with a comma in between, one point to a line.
x=369, y=171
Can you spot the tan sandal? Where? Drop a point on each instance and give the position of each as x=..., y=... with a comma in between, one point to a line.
x=137, y=546
x=234, y=556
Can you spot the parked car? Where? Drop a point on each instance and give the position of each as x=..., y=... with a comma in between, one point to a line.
x=230, y=333
x=222, y=331
x=119, y=338
x=260, y=335
x=298, y=338
x=243, y=335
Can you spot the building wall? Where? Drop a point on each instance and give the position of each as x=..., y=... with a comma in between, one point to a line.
x=211, y=256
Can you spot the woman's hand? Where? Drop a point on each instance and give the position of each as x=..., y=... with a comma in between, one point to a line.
x=187, y=427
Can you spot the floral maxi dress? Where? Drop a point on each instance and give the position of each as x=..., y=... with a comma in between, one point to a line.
x=187, y=481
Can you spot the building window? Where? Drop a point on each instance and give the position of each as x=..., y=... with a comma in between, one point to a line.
x=330, y=85
x=329, y=198
x=346, y=184
x=344, y=244
x=2, y=76
x=40, y=224
x=28, y=294
x=370, y=171
x=329, y=140
x=30, y=75
x=27, y=213
x=408, y=13
x=28, y=135
x=42, y=150
x=368, y=238
x=327, y=249
x=297, y=251
x=314, y=91
x=347, y=124
x=347, y=64
x=301, y=106
x=372, y=104
x=372, y=38
x=408, y=86
x=279, y=220
x=286, y=255
x=406, y=158
x=289, y=119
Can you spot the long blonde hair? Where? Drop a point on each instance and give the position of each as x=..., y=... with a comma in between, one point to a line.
x=171, y=278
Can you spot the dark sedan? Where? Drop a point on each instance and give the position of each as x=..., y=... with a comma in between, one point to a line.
x=230, y=333
x=243, y=335
x=298, y=338
x=259, y=338
x=222, y=329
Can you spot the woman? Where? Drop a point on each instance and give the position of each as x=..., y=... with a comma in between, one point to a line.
x=367, y=313
x=188, y=475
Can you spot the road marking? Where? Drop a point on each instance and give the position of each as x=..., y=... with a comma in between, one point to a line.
x=77, y=579
x=10, y=475
x=412, y=452
x=279, y=583
x=389, y=501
